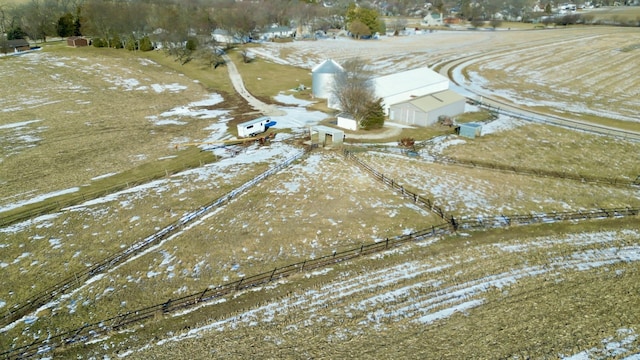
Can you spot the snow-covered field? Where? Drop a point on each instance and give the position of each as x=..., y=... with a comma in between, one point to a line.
x=319, y=204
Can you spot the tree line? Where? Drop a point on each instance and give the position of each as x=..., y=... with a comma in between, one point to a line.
x=172, y=20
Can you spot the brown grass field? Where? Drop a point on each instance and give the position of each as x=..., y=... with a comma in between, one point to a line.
x=542, y=291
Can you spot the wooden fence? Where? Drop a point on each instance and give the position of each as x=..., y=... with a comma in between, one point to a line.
x=452, y=224
x=557, y=121
x=418, y=199
x=121, y=321
x=77, y=279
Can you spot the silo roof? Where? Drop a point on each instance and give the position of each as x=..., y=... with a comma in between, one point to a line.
x=327, y=67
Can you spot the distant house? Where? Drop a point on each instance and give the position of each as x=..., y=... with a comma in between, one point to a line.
x=225, y=37
x=452, y=20
x=538, y=8
x=77, y=41
x=18, y=45
x=275, y=32
x=426, y=110
x=432, y=19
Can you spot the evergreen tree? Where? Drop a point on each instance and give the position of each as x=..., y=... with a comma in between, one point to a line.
x=66, y=25
x=374, y=117
x=131, y=43
x=145, y=44
x=16, y=33
x=369, y=17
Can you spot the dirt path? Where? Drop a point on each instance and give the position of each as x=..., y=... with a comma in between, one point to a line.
x=238, y=84
x=392, y=130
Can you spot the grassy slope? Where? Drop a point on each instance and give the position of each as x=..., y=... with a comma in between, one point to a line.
x=232, y=217
x=562, y=312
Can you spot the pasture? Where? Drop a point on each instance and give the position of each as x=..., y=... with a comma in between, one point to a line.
x=549, y=290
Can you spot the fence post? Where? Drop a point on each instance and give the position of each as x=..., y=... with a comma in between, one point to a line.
x=165, y=306
x=203, y=293
x=272, y=273
x=387, y=244
x=239, y=283
x=303, y=264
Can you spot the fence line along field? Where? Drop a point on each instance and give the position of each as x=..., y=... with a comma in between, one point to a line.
x=547, y=290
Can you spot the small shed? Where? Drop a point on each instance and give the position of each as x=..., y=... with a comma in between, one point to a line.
x=18, y=45
x=346, y=121
x=324, y=132
x=253, y=127
x=77, y=41
x=469, y=130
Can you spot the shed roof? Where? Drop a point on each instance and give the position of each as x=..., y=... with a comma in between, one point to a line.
x=327, y=67
x=17, y=43
x=471, y=125
x=406, y=81
x=327, y=130
x=436, y=100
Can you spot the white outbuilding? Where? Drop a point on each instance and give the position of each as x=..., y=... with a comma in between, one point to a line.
x=407, y=85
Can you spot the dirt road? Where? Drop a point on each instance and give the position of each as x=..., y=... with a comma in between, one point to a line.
x=238, y=84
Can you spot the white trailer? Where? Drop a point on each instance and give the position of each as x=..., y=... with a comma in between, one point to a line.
x=253, y=127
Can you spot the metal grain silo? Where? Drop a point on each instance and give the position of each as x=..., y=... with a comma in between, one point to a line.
x=322, y=78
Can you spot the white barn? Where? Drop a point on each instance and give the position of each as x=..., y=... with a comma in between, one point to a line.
x=393, y=89
x=406, y=85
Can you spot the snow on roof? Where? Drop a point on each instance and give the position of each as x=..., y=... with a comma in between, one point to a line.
x=406, y=81
x=327, y=67
x=436, y=100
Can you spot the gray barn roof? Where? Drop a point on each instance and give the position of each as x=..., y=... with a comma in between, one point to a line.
x=436, y=100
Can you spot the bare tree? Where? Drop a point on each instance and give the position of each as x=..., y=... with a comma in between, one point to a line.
x=358, y=29
x=354, y=89
x=4, y=20
x=38, y=19
x=398, y=24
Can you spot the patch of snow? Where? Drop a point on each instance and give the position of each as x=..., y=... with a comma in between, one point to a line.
x=38, y=199
x=18, y=124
